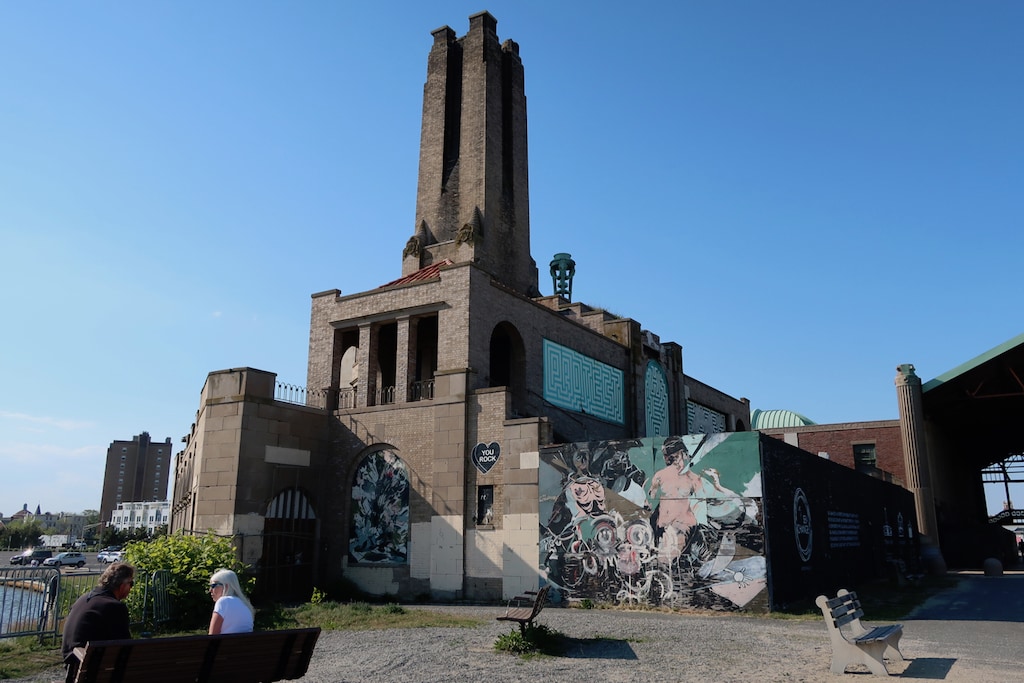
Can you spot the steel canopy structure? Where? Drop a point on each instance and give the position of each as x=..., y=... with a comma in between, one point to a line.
x=975, y=434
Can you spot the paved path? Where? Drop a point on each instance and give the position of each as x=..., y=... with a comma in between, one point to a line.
x=973, y=633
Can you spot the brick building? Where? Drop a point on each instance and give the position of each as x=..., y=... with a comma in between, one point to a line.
x=412, y=467
x=874, y=448
x=135, y=470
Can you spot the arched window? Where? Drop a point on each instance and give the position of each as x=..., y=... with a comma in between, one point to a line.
x=507, y=366
x=380, y=511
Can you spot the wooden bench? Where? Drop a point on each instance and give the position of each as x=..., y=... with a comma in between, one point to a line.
x=258, y=657
x=523, y=609
x=854, y=642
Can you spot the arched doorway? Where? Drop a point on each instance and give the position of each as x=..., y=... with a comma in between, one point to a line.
x=289, y=545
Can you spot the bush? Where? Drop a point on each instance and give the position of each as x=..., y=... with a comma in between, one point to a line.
x=538, y=638
x=189, y=562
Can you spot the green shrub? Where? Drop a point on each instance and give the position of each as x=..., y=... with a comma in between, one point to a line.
x=538, y=638
x=189, y=561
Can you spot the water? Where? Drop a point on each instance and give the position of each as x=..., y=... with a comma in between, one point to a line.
x=19, y=608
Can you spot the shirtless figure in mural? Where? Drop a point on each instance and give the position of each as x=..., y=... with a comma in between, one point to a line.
x=684, y=499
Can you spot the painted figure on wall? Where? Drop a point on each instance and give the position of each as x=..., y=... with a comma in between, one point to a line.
x=654, y=521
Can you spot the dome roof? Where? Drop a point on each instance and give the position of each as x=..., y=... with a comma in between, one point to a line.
x=774, y=419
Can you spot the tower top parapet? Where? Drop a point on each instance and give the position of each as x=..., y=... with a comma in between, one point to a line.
x=472, y=197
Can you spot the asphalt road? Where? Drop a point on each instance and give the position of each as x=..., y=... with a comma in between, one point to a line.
x=91, y=563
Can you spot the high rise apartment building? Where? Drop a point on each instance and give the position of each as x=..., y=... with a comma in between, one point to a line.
x=136, y=471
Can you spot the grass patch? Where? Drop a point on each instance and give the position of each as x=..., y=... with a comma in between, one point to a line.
x=21, y=657
x=357, y=616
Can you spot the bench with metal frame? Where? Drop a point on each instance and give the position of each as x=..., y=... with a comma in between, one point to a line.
x=257, y=657
x=854, y=642
x=523, y=609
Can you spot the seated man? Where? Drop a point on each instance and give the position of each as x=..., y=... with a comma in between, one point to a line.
x=98, y=615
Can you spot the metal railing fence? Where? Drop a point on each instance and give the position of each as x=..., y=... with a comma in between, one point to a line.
x=35, y=601
x=292, y=393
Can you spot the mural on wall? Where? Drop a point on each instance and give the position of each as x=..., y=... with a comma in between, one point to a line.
x=380, y=512
x=582, y=384
x=664, y=521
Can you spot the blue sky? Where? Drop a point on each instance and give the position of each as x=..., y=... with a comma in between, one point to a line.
x=802, y=194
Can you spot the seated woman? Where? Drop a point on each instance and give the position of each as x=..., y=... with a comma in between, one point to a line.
x=232, y=611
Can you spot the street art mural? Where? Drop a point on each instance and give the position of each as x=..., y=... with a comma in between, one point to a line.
x=672, y=521
x=380, y=517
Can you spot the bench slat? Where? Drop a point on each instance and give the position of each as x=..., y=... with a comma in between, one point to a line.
x=880, y=633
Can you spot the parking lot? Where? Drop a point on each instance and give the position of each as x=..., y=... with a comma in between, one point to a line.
x=91, y=564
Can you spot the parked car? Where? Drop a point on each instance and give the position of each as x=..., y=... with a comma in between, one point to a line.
x=66, y=560
x=36, y=554
x=108, y=556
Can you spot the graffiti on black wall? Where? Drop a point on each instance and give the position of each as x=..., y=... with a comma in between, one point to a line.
x=664, y=521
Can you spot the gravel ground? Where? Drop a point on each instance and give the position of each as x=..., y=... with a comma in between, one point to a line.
x=613, y=645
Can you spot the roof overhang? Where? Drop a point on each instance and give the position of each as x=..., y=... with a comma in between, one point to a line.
x=979, y=405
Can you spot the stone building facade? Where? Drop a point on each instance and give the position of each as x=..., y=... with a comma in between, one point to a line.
x=413, y=467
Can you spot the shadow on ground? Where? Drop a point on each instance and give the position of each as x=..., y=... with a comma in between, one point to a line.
x=596, y=648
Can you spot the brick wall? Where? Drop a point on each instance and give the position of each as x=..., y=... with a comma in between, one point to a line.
x=838, y=440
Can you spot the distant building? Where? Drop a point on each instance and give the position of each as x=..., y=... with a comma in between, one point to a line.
x=136, y=470
x=149, y=514
x=23, y=514
x=874, y=448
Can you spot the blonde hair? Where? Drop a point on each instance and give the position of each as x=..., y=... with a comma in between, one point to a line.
x=229, y=580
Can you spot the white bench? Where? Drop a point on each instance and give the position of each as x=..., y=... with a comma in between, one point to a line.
x=854, y=642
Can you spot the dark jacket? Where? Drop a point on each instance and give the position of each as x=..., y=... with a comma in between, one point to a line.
x=97, y=615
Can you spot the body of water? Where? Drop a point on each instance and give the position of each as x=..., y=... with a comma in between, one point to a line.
x=19, y=608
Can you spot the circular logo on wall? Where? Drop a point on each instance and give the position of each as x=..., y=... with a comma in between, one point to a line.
x=802, y=525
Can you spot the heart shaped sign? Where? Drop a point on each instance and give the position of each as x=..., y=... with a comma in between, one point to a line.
x=485, y=455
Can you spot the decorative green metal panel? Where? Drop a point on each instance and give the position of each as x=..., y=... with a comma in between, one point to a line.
x=702, y=420
x=582, y=384
x=656, y=400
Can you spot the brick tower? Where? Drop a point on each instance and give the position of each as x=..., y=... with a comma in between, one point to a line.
x=472, y=200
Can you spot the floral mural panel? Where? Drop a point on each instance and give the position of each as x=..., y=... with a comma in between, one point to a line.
x=380, y=519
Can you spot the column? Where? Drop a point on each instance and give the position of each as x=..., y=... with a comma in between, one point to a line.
x=915, y=458
x=366, y=386
x=405, y=359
